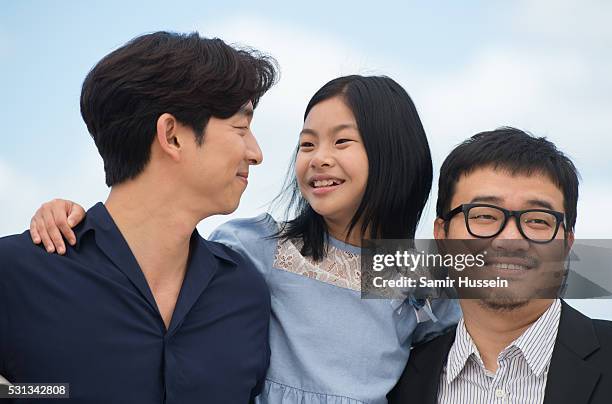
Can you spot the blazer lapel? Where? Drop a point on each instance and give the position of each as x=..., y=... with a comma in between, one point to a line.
x=570, y=378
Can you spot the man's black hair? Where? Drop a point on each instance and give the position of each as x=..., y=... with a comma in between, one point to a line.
x=190, y=77
x=517, y=152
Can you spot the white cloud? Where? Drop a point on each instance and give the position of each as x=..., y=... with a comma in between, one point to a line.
x=567, y=22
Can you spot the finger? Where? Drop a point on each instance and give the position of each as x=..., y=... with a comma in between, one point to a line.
x=76, y=214
x=53, y=231
x=60, y=219
x=34, y=232
x=44, y=236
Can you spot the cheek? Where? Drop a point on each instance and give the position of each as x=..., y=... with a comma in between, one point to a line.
x=358, y=170
x=457, y=229
x=232, y=148
x=301, y=167
x=359, y=162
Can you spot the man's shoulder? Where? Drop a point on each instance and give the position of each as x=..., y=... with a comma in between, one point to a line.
x=422, y=372
x=603, y=329
x=225, y=253
x=245, y=269
x=573, y=321
x=18, y=248
x=16, y=241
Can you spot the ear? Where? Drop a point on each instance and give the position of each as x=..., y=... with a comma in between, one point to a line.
x=439, y=231
x=569, y=241
x=168, y=137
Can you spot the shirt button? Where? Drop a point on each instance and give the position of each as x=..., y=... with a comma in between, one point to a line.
x=499, y=393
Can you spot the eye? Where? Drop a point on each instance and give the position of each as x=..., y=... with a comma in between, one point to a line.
x=538, y=222
x=343, y=141
x=483, y=217
x=241, y=130
x=305, y=145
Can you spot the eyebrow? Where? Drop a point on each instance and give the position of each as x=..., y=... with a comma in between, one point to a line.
x=335, y=129
x=486, y=198
x=538, y=203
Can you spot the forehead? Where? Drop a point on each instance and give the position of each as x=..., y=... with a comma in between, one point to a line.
x=328, y=113
x=511, y=191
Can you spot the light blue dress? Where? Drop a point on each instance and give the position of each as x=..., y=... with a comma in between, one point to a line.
x=327, y=344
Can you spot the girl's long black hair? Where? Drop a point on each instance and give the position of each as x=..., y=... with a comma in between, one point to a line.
x=399, y=160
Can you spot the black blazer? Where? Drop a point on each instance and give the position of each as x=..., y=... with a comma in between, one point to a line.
x=580, y=369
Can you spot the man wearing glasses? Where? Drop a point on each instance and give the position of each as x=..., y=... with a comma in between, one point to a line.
x=514, y=196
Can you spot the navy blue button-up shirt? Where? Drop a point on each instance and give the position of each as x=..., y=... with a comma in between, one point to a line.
x=89, y=319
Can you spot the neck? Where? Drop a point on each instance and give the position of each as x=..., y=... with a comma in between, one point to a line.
x=156, y=229
x=338, y=229
x=493, y=330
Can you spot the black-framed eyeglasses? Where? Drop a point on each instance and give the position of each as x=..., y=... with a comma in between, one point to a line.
x=485, y=221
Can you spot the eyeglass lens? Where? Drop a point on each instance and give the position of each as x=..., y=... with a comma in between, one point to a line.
x=487, y=222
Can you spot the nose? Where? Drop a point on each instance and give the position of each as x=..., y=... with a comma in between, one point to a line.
x=322, y=157
x=254, y=154
x=510, y=238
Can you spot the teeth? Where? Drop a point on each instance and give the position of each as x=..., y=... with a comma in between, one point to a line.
x=509, y=266
x=325, y=183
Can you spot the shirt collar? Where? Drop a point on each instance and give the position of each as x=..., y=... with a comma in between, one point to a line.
x=217, y=250
x=462, y=349
x=536, y=344
x=98, y=217
x=538, y=341
x=202, y=264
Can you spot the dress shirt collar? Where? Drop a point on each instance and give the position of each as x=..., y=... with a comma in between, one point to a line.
x=536, y=345
x=201, y=267
x=98, y=217
x=460, y=352
x=538, y=341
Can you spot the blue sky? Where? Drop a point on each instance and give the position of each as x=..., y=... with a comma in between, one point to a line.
x=469, y=66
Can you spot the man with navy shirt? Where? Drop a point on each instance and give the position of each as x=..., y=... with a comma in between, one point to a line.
x=142, y=309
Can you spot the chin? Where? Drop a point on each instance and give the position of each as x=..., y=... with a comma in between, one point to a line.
x=504, y=301
x=508, y=304
x=323, y=211
x=229, y=209
x=233, y=205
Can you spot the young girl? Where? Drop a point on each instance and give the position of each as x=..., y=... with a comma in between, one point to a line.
x=362, y=170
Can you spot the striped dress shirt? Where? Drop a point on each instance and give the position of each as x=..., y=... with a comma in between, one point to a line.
x=522, y=367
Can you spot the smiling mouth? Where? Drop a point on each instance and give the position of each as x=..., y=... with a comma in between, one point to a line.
x=509, y=267
x=326, y=183
x=243, y=178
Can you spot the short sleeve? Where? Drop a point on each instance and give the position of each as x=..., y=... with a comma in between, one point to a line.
x=447, y=313
x=252, y=238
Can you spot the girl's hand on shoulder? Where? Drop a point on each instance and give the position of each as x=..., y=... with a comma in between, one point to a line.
x=53, y=220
